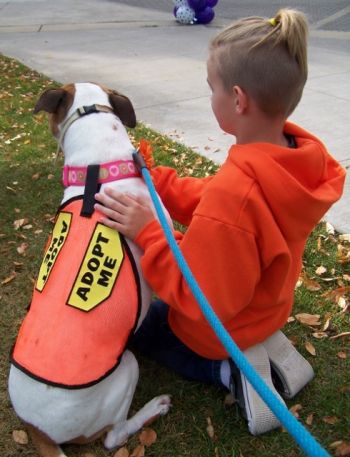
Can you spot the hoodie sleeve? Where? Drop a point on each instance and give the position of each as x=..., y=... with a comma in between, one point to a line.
x=224, y=260
x=179, y=195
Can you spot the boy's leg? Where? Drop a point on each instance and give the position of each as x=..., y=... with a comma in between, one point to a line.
x=156, y=340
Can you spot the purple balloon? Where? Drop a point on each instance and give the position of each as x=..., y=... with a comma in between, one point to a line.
x=175, y=10
x=197, y=5
x=205, y=16
x=212, y=3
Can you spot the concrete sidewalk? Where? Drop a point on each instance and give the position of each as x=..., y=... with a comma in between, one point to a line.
x=161, y=66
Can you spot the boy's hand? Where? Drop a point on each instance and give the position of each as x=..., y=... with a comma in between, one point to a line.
x=125, y=213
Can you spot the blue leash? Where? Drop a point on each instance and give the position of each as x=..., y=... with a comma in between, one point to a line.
x=305, y=440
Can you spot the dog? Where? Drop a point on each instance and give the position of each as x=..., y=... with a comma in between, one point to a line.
x=71, y=379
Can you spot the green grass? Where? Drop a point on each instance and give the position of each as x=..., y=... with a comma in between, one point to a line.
x=31, y=189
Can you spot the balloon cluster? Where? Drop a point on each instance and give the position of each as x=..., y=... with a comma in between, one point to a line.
x=194, y=11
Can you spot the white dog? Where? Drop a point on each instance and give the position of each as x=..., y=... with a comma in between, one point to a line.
x=71, y=379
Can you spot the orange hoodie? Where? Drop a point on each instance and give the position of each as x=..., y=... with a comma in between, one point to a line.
x=247, y=229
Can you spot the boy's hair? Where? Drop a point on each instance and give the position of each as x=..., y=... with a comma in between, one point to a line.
x=267, y=58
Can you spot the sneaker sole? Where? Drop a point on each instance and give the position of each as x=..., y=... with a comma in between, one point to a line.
x=290, y=367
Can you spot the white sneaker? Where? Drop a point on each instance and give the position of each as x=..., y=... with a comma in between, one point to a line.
x=291, y=371
x=259, y=416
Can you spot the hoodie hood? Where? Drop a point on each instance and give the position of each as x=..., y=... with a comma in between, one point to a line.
x=304, y=179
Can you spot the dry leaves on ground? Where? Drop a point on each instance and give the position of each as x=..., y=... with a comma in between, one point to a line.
x=331, y=420
x=122, y=452
x=147, y=437
x=308, y=319
x=310, y=348
x=9, y=278
x=342, y=448
x=210, y=428
x=139, y=451
x=20, y=437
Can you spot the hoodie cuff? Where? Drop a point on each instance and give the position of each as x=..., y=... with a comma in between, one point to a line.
x=150, y=233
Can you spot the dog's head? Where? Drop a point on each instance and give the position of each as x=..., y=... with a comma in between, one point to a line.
x=59, y=102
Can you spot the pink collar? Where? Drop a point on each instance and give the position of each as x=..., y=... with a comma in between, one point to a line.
x=111, y=171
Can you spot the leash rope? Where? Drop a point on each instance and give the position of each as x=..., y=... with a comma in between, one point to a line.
x=302, y=436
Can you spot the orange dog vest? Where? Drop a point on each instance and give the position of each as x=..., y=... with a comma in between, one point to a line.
x=85, y=304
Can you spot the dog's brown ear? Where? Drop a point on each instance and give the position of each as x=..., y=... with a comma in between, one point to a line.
x=50, y=100
x=123, y=108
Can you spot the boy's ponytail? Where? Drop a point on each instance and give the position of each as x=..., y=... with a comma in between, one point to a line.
x=290, y=27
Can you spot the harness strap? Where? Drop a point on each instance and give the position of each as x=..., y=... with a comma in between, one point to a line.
x=91, y=188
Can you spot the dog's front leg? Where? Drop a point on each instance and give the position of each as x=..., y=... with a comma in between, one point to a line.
x=158, y=406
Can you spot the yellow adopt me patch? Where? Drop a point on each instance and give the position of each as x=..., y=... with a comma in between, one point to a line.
x=99, y=270
x=58, y=238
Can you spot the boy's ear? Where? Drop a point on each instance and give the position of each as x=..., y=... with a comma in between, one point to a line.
x=241, y=100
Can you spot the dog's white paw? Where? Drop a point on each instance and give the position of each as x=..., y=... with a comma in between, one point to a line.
x=158, y=406
x=164, y=404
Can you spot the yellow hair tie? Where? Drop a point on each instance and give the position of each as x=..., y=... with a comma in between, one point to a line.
x=272, y=22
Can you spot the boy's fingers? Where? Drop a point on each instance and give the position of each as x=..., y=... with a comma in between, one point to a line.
x=114, y=199
x=112, y=213
x=109, y=202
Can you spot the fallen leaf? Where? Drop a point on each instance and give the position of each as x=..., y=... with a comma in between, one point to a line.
x=342, y=302
x=320, y=270
x=210, y=428
x=122, y=452
x=20, y=437
x=340, y=335
x=139, y=451
x=299, y=283
x=308, y=319
x=331, y=420
x=328, y=318
x=147, y=437
x=345, y=237
x=343, y=450
x=320, y=335
x=290, y=319
x=335, y=294
x=310, y=419
x=295, y=409
x=310, y=348
x=341, y=355
x=36, y=176
x=18, y=264
x=310, y=284
x=335, y=444
x=22, y=248
x=9, y=278
x=20, y=223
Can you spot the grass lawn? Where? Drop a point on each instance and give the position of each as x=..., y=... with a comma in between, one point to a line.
x=31, y=192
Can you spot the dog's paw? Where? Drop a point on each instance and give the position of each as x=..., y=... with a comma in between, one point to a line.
x=158, y=406
x=162, y=403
